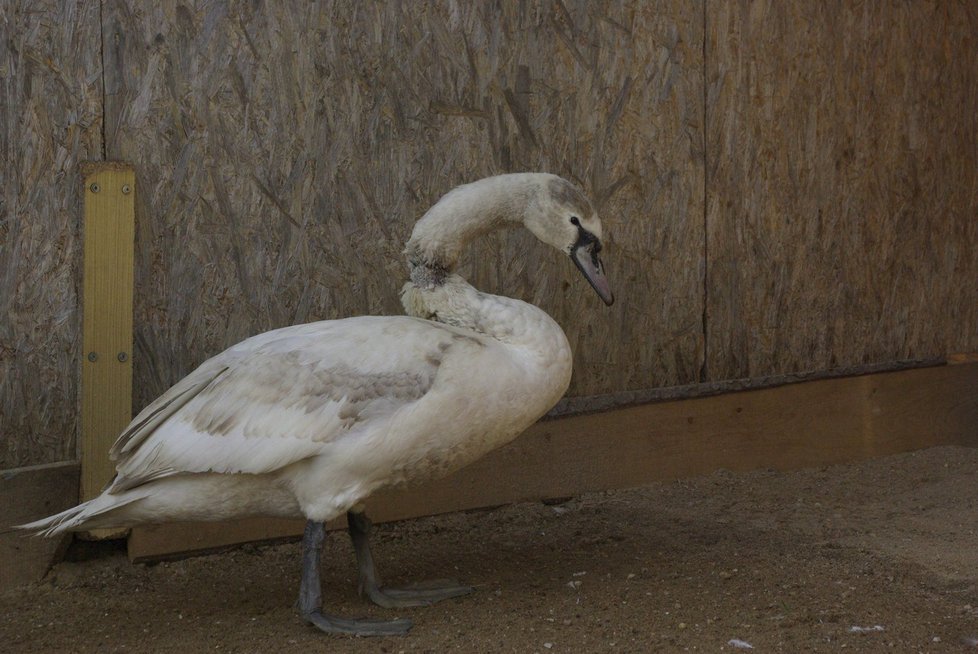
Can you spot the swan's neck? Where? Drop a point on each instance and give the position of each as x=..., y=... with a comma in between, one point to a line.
x=465, y=213
x=436, y=293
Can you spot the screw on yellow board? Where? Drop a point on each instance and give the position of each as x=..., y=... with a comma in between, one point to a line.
x=107, y=293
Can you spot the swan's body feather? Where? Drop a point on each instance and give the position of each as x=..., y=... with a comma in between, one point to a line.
x=310, y=420
x=281, y=397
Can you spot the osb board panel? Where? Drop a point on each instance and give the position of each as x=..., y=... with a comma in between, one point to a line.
x=50, y=120
x=28, y=494
x=813, y=423
x=841, y=172
x=284, y=151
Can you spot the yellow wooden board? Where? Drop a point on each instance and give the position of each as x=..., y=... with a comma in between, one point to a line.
x=107, y=291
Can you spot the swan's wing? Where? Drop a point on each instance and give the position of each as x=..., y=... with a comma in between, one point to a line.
x=282, y=397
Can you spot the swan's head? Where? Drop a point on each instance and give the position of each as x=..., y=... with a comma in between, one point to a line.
x=549, y=206
x=562, y=216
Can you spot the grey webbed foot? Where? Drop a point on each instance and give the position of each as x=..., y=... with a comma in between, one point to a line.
x=332, y=624
x=417, y=595
x=423, y=594
x=310, y=596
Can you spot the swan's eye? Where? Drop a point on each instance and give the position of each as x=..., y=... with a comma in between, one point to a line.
x=575, y=221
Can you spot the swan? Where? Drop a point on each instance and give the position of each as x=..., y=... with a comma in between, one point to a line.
x=310, y=420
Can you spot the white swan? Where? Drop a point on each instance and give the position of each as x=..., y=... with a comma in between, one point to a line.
x=310, y=420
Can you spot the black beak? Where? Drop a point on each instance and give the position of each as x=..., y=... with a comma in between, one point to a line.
x=585, y=256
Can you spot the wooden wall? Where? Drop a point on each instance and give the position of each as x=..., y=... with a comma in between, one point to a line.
x=50, y=121
x=284, y=155
x=842, y=177
x=785, y=187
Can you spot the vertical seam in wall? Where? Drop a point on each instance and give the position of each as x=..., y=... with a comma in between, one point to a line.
x=101, y=53
x=704, y=368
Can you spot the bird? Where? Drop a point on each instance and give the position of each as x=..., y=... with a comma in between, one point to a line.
x=308, y=421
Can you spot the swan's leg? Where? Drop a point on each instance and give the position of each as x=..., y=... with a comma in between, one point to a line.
x=311, y=599
x=424, y=594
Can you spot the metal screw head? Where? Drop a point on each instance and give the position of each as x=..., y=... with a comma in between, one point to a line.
x=122, y=356
x=93, y=357
x=126, y=189
x=94, y=187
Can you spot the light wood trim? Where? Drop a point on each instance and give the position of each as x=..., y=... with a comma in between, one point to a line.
x=106, y=356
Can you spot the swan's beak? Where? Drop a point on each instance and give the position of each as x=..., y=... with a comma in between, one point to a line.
x=585, y=256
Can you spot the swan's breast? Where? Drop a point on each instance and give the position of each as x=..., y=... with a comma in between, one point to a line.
x=484, y=394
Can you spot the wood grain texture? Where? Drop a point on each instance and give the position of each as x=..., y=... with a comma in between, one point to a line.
x=798, y=425
x=842, y=176
x=286, y=149
x=50, y=120
x=106, y=404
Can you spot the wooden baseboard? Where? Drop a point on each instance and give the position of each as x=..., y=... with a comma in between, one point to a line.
x=805, y=424
x=28, y=494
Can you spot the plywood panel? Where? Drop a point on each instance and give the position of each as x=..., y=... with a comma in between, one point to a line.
x=50, y=120
x=286, y=149
x=842, y=168
x=106, y=406
x=806, y=424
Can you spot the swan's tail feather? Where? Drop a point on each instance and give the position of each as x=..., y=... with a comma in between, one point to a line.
x=87, y=515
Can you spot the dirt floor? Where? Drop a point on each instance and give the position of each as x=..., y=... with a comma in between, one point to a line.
x=876, y=556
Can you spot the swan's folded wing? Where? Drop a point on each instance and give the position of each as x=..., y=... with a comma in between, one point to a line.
x=281, y=401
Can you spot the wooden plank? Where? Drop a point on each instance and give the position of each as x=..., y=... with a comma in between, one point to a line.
x=841, y=180
x=28, y=494
x=106, y=406
x=50, y=120
x=798, y=425
x=575, y=405
x=963, y=357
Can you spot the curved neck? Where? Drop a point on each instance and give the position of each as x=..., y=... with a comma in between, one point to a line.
x=464, y=214
x=436, y=293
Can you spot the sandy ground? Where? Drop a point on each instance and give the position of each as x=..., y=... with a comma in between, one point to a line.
x=877, y=556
